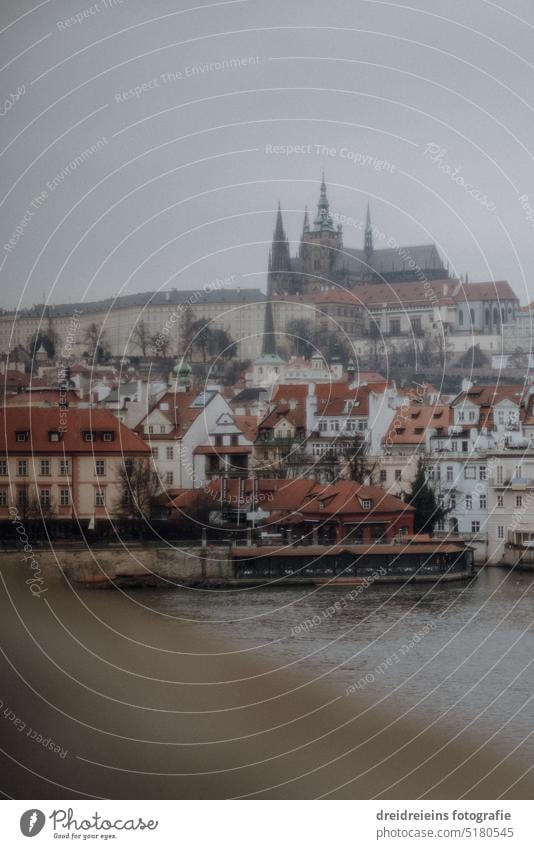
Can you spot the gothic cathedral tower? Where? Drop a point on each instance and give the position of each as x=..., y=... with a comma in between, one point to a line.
x=319, y=247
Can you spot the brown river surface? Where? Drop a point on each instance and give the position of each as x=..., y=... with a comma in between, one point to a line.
x=415, y=692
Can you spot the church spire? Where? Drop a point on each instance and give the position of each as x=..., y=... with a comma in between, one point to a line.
x=280, y=256
x=324, y=220
x=368, y=243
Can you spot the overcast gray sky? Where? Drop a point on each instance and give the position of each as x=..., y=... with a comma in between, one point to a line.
x=183, y=186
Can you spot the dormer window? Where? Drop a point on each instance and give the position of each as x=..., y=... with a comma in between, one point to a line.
x=108, y=436
x=88, y=436
x=22, y=435
x=54, y=436
x=367, y=503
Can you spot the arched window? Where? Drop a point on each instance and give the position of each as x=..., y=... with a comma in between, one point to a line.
x=460, y=317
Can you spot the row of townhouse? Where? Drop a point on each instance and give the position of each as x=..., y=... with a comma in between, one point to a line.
x=311, y=429
x=479, y=453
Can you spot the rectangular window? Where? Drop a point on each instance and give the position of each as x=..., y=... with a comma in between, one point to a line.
x=22, y=468
x=468, y=502
x=88, y=436
x=431, y=473
x=482, y=473
x=519, y=501
x=500, y=501
x=3, y=467
x=483, y=502
x=100, y=468
x=452, y=501
x=383, y=475
x=162, y=429
x=44, y=497
x=398, y=474
x=461, y=416
x=500, y=531
x=155, y=479
x=108, y=436
x=100, y=498
x=475, y=527
x=367, y=503
x=64, y=467
x=454, y=445
x=3, y=497
x=155, y=452
x=22, y=435
x=151, y=428
x=218, y=439
x=22, y=496
x=45, y=468
x=53, y=435
x=395, y=326
x=169, y=478
x=234, y=439
x=64, y=498
x=465, y=446
x=470, y=472
x=499, y=473
x=450, y=473
x=169, y=453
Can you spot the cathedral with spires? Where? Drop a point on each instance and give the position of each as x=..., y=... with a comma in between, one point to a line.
x=323, y=261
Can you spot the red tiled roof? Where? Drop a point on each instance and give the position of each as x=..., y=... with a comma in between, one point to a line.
x=408, y=547
x=180, y=413
x=248, y=425
x=39, y=421
x=410, y=423
x=498, y=290
x=43, y=397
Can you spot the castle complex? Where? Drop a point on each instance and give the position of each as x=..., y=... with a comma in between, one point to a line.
x=323, y=260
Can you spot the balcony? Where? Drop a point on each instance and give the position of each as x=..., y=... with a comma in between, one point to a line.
x=517, y=483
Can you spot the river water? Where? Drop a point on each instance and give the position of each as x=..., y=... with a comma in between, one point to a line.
x=457, y=653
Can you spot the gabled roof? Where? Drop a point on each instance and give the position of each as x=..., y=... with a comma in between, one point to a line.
x=183, y=408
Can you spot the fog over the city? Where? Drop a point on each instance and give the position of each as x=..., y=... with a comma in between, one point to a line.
x=146, y=145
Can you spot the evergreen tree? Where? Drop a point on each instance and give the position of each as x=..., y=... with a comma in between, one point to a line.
x=428, y=510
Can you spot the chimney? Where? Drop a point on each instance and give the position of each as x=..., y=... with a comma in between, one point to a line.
x=311, y=409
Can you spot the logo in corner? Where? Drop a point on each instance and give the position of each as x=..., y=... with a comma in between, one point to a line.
x=32, y=822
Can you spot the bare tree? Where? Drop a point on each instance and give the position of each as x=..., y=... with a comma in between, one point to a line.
x=141, y=337
x=160, y=344
x=358, y=465
x=95, y=337
x=137, y=488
